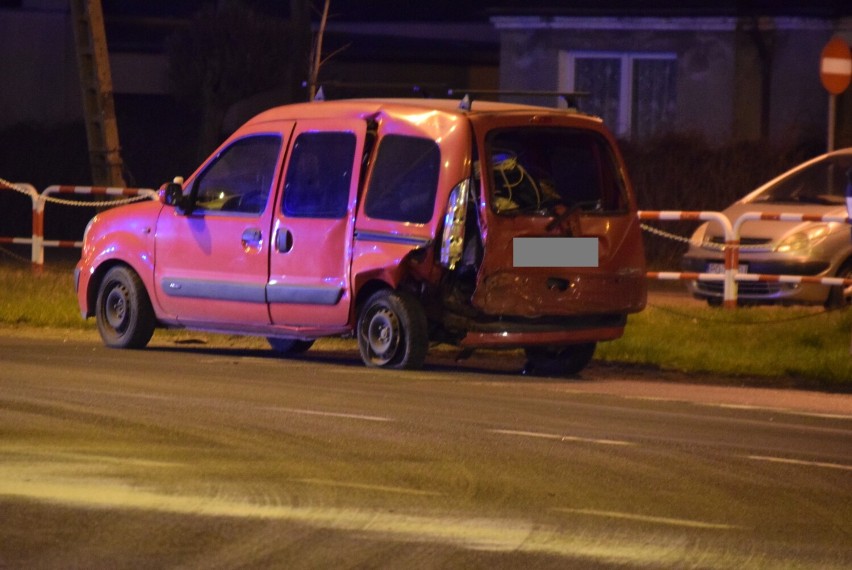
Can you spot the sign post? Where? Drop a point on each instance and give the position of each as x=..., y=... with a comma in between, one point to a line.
x=835, y=71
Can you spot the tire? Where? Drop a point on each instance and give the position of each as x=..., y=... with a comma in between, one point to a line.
x=558, y=360
x=289, y=346
x=123, y=311
x=839, y=297
x=393, y=331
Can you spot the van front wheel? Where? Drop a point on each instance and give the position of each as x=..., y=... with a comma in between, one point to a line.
x=392, y=331
x=558, y=360
x=123, y=311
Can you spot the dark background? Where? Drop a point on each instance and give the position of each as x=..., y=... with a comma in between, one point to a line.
x=161, y=134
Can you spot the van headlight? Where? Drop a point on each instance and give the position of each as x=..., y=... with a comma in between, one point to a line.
x=804, y=240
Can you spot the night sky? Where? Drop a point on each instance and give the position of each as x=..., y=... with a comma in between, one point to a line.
x=478, y=10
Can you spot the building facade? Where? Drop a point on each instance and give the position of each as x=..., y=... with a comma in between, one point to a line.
x=726, y=78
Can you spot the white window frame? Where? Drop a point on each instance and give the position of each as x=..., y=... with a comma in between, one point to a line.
x=567, y=66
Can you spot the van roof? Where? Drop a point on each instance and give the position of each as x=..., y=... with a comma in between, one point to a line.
x=363, y=108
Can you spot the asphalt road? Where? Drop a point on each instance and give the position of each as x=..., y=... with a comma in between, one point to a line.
x=183, y=456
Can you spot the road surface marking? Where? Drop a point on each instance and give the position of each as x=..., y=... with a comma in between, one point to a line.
x=471, y=532
x=333, y=414
x=650, y=519
x=366, y=487
x=561, y=437
x=800, y=462
x=788, y=411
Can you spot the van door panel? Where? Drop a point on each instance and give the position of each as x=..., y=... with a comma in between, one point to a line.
x=212, y=265
x=552, y=180
x=310, y=262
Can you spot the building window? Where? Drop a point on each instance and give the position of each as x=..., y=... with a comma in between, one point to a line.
x=634, y=93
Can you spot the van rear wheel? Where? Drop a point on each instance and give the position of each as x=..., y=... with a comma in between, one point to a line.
x=558, y=360
x=392, y=331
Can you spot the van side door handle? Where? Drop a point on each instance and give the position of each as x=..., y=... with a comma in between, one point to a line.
x=252, y=238
x=284, y=241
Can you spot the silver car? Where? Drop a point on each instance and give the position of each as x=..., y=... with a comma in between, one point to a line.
x=819, y=249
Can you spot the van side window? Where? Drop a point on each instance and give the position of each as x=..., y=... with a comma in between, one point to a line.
x=405, y=180
x=319, y=175
x=240, y=177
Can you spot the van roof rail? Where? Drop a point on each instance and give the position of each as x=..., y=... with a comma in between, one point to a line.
x=425, y=90
x=570, y=97
x=429, y=90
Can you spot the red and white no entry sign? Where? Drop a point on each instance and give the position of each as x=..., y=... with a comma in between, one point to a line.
x=835, y=68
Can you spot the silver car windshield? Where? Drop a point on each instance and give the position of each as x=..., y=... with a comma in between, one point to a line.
x=822, y=183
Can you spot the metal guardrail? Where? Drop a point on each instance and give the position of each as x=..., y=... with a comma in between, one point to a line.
x=39, y=200
x=732, y=247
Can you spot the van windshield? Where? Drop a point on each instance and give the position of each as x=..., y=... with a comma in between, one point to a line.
x=534, y=169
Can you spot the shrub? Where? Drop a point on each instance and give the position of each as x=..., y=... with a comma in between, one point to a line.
x=685, y=172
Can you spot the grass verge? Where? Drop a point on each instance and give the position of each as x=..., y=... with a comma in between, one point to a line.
x=786, y=346
x=792, y=346
x=40, y=299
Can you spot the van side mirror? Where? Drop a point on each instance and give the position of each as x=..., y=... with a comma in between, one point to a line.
x=172, y=194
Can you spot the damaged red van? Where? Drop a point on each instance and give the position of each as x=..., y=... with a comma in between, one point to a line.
x=399, y=222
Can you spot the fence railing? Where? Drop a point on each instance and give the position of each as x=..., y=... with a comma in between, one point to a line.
x=117, y=197
x=29, y=191
x=731, y=247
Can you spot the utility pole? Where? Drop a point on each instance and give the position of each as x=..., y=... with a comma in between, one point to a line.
x=96, y=81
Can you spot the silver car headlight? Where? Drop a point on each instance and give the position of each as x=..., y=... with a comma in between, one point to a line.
x=804, y=240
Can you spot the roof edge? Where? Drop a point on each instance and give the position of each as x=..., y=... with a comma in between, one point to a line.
x=707, y=24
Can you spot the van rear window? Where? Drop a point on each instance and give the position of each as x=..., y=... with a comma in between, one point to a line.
x=534, y=169
x=404, y=180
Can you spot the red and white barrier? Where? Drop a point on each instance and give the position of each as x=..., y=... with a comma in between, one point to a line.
x=732, y=250
x=40, y=200
x=729, y=292
x=750, y=216
x=99, y=191
x=39, y=243
x=730, y=277
x=29, y=191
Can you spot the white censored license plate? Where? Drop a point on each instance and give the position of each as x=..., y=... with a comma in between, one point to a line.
x=555, y=252
x=720, y=268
